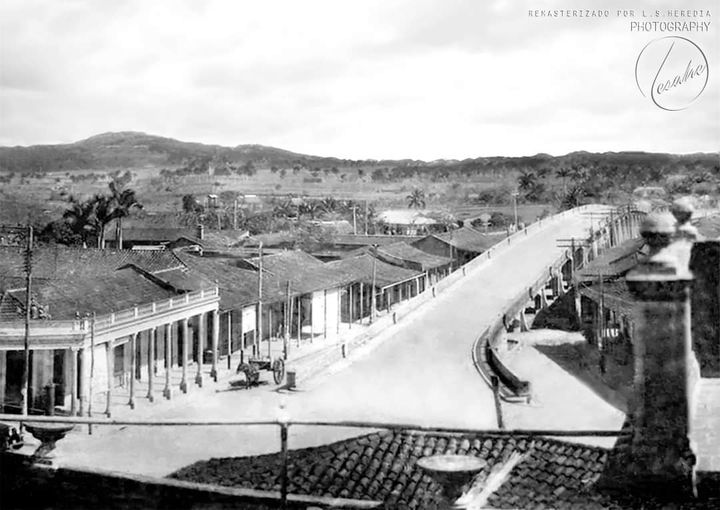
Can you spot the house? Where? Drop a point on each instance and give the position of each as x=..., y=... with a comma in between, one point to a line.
x=113, y=311
x=405, y=255
x=461, y=245
x=154, y=238
x=411, y=221
x=369, y=275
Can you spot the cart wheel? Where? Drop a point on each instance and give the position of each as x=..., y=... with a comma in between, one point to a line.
x=278, y=368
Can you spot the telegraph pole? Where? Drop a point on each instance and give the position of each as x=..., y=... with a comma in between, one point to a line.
x=374, y=281
x=259, y=307
x=28, y=302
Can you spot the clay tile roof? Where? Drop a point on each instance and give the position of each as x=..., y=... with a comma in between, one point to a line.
x=468, y=239
x=159, y=235
x=304, y=272
x=404, y=252
x=360, y=269
x=615, y=261
x=65, y=263
x=115, y=291
x=382, y=466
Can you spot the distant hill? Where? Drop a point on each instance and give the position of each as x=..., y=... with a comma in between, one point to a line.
x=129, y=149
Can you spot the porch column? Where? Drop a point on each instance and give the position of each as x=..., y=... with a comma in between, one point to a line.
x=202, y=333
x=73, y=382
x=325, y=313
x=167, y=392
x=133, y=363
x=186, y=346
x=362, y=302
x=151, y=362
x=110, y=370
x=229, y=339
x=215, y=339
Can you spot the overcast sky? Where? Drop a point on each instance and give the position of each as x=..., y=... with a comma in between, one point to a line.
x=360, y=79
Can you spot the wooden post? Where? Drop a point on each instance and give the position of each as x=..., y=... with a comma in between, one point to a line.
x=167, y=392
x=350, y=304
x=186, y=346
x=374, y=284
x=362, y=302
x=299, y=320
x=215, y=341
x=151, y=362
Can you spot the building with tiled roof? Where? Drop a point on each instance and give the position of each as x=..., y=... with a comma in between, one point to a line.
x=157, y=237
x=461, y=245
x=136, y=298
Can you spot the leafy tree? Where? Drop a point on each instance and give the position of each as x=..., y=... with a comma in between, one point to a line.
x=191, y=205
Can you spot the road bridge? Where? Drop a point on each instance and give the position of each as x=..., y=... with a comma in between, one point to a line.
x=422, y=372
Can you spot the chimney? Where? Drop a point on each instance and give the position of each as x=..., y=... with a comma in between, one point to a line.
x=200, y=233
x=660, y=459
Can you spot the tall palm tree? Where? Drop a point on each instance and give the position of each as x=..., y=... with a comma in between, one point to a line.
x=563, y=172
x=80, y=215
x=416, y=199
x=122, y=202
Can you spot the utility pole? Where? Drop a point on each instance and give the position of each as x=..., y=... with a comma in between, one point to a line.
x=374, y=282
x=366, y=217
x=28, y=303
x=286, y=336
x=515, y=197
x=259, y=307
x=235, y=208
x=354, y=220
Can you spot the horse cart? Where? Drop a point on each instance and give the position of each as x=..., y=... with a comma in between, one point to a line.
x=254, y=365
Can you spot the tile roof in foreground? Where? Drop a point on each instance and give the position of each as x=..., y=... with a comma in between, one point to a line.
x=545, y=473
x=521, y=472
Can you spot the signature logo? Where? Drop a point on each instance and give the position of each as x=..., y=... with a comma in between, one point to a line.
x=672, y=71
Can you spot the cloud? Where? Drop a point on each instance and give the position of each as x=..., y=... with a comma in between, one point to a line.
x=411, y=78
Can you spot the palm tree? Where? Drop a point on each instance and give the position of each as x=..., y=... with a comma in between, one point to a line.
x=527, y=180
x=81, y=218
x=122, y=202
x=416, y=199
x=563, y=172
x=329, y=204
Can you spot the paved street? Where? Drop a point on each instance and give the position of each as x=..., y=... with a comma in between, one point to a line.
x=420, y=372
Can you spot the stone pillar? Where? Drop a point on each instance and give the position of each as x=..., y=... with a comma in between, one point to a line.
x=660, y=458
x=151, y=363
x=110, y=369
x=186, y=347
x=215, y=340
x=202, y=333
x=133, y=364
x=167, y=391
